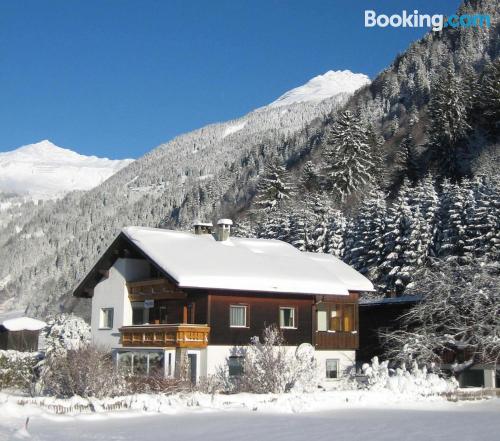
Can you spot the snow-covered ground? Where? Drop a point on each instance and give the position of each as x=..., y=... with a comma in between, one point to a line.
x=326, y=415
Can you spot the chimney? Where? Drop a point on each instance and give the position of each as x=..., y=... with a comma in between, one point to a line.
x=223, y=229
x=202, y=227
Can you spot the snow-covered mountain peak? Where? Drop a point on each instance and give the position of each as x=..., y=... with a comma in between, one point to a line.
x=323, y=86
x=45, y=171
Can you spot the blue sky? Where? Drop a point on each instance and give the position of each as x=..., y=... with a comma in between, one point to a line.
x=116, y=78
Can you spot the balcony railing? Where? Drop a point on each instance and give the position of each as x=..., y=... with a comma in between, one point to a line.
x=175, y=335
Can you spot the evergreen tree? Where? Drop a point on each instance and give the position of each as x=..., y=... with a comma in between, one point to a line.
x=456, y=202
x=484, y=221
x=378, y=156
x=490, y=95
x=448, y=122
x=364, y=236
x=406, y=162
x=401, y=245
x=347, y=156
x=311, y=177
x=274, y=188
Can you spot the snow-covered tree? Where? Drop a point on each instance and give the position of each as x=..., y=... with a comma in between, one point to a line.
x=364, y=241
x=448, y=122
x=347, y=156
x=456, y=203
x=457, y=319
x=274, y=187
x=311, y=177
x=490, y=94
x=406, y=162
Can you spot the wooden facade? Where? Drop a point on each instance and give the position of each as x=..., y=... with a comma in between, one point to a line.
x=24, y=340
x=202, y=317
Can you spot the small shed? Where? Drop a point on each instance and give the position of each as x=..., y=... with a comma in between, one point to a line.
x=20, y=334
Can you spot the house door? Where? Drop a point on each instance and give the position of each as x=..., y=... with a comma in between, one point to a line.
x=192, y=362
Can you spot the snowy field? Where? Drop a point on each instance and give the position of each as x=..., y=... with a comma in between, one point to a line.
x=245, y=419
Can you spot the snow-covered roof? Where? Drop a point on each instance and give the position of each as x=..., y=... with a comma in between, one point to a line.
x=199, y=261
x=23, y=324
x=391, y=300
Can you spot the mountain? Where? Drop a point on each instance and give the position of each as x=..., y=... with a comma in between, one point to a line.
x=46, y=171
x=406, y=177
x=210, y=171
x=323, y=86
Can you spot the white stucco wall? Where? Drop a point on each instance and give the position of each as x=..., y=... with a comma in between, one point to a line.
x=111, y=292
x=215, y=356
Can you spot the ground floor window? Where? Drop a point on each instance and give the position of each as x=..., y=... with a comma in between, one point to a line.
x=332, y=368
x=235, y=364
x=141, y=362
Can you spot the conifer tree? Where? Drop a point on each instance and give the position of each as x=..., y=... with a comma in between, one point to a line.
x=364, y=236
x=406, y=159
x=347, y=156
x=490, y=95
x=274, y=188
x=448, y=122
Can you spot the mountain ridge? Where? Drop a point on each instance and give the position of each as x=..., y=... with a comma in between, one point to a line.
x=43, y=170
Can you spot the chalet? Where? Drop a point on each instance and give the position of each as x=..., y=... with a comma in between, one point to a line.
x=171, y=301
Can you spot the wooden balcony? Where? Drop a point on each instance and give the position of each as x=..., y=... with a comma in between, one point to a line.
x=174, y=335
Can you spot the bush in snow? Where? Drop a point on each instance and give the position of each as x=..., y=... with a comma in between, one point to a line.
x=86, y=371
x=400, y=380
x=268, y=367
x=17, y=369
x=66, y=331
x=156, y=384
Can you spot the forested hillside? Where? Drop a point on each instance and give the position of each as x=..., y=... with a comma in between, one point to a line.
x=402, y=171
x=46, y=249
x=408, y=172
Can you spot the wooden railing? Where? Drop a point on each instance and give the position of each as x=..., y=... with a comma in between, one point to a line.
x=175, y=335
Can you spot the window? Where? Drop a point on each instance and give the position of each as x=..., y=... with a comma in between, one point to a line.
x=287, y=317
x=141, y=363
x=238, y=316
x=332, y=368
x=336, y=317
x=140, y=315
x=235, y=364
x=106, y=318
x=322, y=317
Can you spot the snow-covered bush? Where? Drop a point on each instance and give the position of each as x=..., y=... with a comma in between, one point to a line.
x=17, y=369
x=64, y=332
x=87, y=372
x=401, y=380
x=269, y=367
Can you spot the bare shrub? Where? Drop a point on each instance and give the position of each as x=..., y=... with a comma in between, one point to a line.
x=156, y=384
x=87, y=372
x=269, y=367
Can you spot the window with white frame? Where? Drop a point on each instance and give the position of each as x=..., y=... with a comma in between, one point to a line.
x=287, y=317
x=332, y=368
x=106, y=319
x=144, y=363
x=238, y=316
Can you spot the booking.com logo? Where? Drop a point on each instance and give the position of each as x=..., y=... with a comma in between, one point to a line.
x=417, y=20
